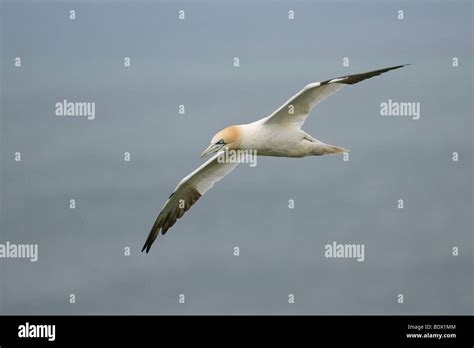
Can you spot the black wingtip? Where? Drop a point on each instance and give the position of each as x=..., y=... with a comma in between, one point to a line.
x=355, y=78
x=147, y=245
x=400, y=66
x=381, y=71
x=352, y=79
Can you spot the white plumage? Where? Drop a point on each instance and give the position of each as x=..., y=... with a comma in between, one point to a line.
x=279, y=134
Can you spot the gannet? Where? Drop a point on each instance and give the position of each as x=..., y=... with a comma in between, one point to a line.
x=278, y=134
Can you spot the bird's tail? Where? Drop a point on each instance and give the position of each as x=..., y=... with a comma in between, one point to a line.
x=334, y=150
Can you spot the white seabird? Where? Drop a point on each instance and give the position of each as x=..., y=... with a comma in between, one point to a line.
x=279, y=134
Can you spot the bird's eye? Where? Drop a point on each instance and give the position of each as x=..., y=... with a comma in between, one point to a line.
x=220, y=142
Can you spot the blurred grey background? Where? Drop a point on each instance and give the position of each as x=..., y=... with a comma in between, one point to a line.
x=190, y=62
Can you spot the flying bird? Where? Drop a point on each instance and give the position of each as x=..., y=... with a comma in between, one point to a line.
x=278, y=134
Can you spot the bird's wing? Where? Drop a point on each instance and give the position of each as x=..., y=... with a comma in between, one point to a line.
x=294, y=112
x=188, y=191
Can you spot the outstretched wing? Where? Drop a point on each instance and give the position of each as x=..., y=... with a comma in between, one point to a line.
x=188, y=191
x=297, y=108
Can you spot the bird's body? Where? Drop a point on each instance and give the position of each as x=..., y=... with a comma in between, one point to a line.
x=278, y=134
x=280, y=141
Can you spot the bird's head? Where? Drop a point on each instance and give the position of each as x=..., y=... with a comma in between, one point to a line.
x=227, y=138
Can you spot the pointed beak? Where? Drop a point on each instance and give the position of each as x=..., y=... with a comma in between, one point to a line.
x=211, y=149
